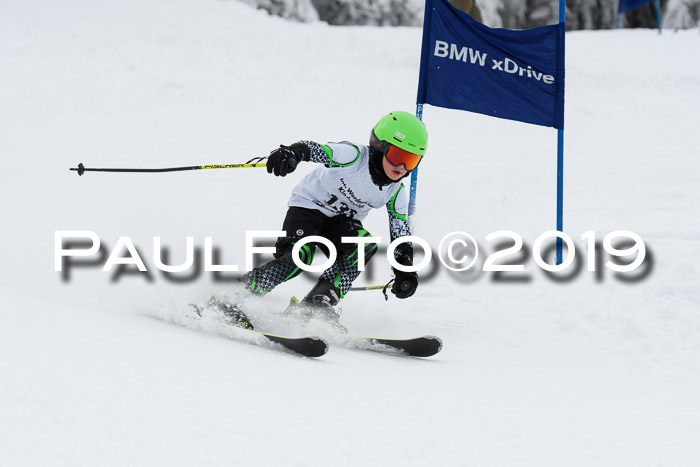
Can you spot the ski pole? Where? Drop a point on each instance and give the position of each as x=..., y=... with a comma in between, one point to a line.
x=255, y=162
x=370, y=287
x=383, y=288
x=403, y=286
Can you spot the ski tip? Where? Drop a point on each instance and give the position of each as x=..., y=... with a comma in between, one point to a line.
x=424, y=346
x=325, y=345
x=434, y=347
x=306, y=346
x=438, y=341
x=319, y=348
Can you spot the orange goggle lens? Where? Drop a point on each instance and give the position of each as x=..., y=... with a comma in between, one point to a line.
x=397, y=156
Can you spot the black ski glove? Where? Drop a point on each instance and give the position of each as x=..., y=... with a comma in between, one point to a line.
x=405, y=284
x=284, y=160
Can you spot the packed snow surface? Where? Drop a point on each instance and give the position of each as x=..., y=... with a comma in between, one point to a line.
x=101, y=368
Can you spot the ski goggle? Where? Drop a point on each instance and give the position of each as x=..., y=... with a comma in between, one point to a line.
x=397, y=156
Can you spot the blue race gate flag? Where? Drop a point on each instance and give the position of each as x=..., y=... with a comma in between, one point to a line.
x=627, y=5
x=517, y=75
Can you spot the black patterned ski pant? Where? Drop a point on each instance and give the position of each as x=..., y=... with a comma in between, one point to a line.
x=303, y=222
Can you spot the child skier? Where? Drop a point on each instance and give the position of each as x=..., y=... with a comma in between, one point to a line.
x=332, y=201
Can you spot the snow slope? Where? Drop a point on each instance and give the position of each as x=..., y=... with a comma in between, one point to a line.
x=95, y=369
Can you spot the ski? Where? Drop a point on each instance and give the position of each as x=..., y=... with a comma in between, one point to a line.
x=311, y=347
x=425, y=346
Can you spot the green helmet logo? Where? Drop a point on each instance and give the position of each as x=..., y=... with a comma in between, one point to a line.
x=403, y=130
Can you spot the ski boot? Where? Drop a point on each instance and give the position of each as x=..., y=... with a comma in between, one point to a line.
x=233, y=313
x=320, y=304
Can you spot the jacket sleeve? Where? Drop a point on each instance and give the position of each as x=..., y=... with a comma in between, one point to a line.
x=332, y=154
x=397, y=208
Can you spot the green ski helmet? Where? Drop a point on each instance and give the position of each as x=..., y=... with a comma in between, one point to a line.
x=401, y=129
